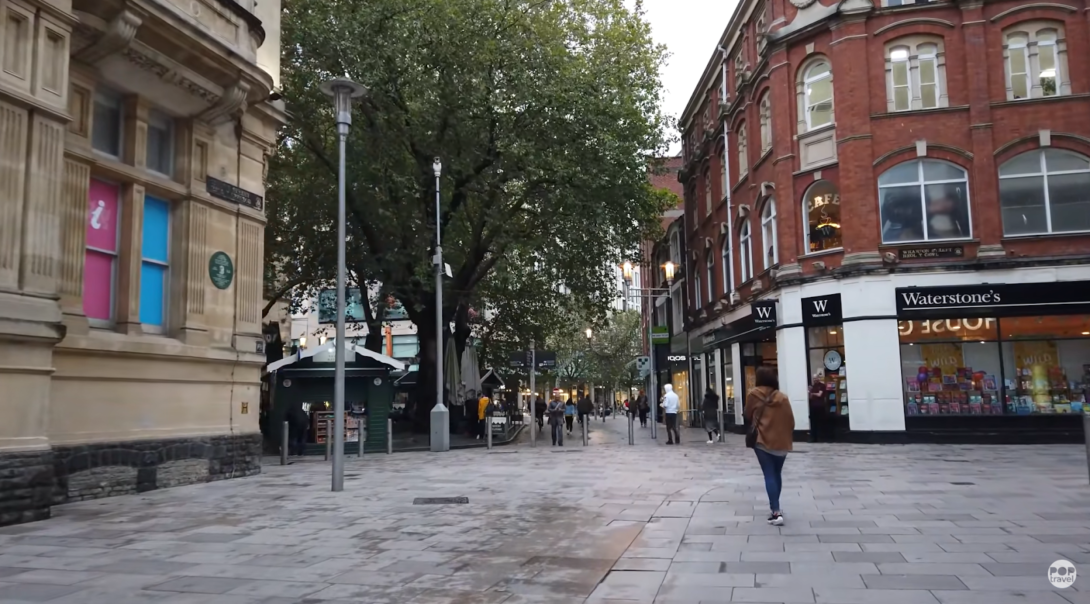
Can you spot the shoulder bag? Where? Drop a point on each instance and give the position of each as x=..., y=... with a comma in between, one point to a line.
x=751, y=434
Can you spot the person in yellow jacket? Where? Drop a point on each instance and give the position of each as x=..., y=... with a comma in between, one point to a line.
x=482, y=406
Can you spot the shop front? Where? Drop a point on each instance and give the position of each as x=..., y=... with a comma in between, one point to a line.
x=995, y=362
x=742, y=346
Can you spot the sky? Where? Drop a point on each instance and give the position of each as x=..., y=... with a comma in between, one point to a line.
x=690, y=30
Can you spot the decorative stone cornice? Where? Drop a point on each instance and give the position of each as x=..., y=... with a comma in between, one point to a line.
x=119, y=34
x=147, y=60
x=229, y=106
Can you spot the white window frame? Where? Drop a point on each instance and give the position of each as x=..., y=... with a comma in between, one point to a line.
x=743, y=151
x=166, y=124
x=769, y=235
x=710, y=262
x=112, y=100
x=745, y=251
x=806, y=82
x=921, y=183
x=1043, y=174
x=917, y=51
x=1037, y=34
x=725, y=256
x=766, y=122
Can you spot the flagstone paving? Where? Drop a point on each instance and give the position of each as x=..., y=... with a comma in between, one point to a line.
x=606, y=523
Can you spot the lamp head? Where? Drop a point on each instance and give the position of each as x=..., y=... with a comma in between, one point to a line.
x=670, y=269
x=437, y=166
x=626, y=271
x=590, y=333
x=342, y=91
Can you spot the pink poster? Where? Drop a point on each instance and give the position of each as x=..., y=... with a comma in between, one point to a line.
x=98, y=273
x=102, y=216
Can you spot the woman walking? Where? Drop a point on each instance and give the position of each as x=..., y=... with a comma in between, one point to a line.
x=711, y=415
x=770, y=417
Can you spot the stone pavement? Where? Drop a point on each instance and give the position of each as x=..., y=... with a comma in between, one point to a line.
x=608, y=523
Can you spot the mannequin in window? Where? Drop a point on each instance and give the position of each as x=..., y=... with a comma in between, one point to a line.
x=901, y=213
x=943, y=220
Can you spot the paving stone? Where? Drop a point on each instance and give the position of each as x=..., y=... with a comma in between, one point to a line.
x=887, y=581
x=200, y=585
x=784, y=595
x=872, y=557
x=873, y=596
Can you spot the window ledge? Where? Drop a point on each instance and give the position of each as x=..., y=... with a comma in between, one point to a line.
x=835, y=250
x=929, y=111
x=1041, y=99
x=764, y=156
x=741, y=180
x=816, y=167
x=1065, y=234
x=816, y=131
x=901, y=244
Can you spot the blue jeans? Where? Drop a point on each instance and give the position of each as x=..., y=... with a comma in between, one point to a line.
x=772, y=467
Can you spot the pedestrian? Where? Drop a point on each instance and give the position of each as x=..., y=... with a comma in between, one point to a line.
x=670, y=405
x=711, y=415
x=642, y=408
x=585, y=408
x=298, y=423
x=818, y=412
x=556, y=421
x=539, y=412
x=482, y=413
x=769, y=412
x=569, y=414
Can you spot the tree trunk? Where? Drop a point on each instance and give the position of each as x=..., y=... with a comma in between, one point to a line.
x=462, y=329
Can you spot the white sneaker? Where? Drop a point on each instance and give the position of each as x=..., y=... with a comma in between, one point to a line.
x=710, y=442
x=777, y=520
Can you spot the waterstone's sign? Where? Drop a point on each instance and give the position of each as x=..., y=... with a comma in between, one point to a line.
x=998, y=299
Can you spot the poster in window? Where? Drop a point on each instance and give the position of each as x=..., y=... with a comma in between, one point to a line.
x=102, y=216
x=947, y=358
x=1036, y=363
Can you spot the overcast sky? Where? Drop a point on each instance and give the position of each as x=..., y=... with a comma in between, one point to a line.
x=690, y=29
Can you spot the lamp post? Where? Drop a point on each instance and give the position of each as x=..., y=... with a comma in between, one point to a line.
x=440, y=417
x=649, y=293
x=342, y=90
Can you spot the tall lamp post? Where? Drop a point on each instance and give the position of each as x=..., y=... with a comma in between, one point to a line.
x=342, y=90
x=649, y=293
x=440, y=417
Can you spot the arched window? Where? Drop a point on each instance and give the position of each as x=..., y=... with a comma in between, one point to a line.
x=745, y=252
x=1036, y=61
x=768, y=234
x=821, y=213
x=675, y=248
x=743, y=155
x=697, y=303
x=766, y=123
x=711, y=275
x=707, y=192
x=818, y=95
x=916, y=74
x=1045, y=191
x=725, y=259
x=924, y=200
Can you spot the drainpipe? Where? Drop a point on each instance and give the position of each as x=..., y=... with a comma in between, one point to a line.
x=726, y=183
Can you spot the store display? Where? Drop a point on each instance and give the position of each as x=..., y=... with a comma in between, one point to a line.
x=950, y=391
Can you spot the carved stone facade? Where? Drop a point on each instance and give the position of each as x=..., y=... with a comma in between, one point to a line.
x=130, y=273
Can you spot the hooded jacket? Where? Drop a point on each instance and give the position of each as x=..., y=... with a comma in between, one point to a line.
x=775, y=420
x=670, y=402
x=711, y=403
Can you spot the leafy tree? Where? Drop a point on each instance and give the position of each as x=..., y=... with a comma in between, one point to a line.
x=543, y=113
x=614, y=347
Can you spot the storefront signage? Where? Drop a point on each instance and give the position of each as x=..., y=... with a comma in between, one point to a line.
x=920, y=253
x=833, y=360
x=660, y=334
x=229, y=192
x=221, y=270
x=764, y=313
x=676, y=358
x=994, y=300
x=822, y=310
x=710, y=338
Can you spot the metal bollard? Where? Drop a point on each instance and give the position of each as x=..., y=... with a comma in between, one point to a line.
x=284, y=446
x=488, y=430
x=586, y=440
x=389, y=437
x=722, y=429
x=361, y=441
x=631, y=429
x=328, y=438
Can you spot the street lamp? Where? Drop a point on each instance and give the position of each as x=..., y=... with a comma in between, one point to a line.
x=669, y=267
x=650, y=293
x=440, y=417
x=590, y=333
x=342, y=90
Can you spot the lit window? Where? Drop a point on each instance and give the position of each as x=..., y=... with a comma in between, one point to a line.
x=745, y=252
x=1045, y=191
x=768, y=234
x=1018, y=65
x=902, y=87
x=107, y=123
x=924, y=200
x=160, y=155
x=100, y=257
x=821, y=211
x=818, y=95
x=155, y=263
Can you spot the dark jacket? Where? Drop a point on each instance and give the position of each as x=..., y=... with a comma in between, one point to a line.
x=585, y=406
x=298, y=420
x=539, y=408
x=711, y=404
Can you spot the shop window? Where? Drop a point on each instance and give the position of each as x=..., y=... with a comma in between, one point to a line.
x=107, y=123
x=100, y=257
x=818, y=95
x=1045, y=191
x=160, y=144
x=821, y=209
x=1035, y=56
x=825, y=346
x=951, y=367
x=154, y=264
x=768, y=234
x=728, y=382
x=924, y=200
x=745, y=252
x=405, y=346
x=1046, y=363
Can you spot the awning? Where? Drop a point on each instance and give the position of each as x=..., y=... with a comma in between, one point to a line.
x=328, y=346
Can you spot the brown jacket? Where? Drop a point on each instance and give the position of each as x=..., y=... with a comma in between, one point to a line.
x=776, y=421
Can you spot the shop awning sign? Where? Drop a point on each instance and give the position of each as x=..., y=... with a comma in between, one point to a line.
x=660, y=334
x=994, y=300
x=822, y=310
x=764, y=313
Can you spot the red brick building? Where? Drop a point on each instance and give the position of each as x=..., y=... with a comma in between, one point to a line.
x=865, y=157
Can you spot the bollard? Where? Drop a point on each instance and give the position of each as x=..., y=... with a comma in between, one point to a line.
x=631, y=429
x=389, y=436
x=586, y=440
x=722, y=429
x=488, y=430
x=328, y=438
x=284, y=446
x=361, y=440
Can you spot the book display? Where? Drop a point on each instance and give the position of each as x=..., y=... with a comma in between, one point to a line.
x=318, y=427
x=836, y=392
x=962, y=392
x=1040, y=389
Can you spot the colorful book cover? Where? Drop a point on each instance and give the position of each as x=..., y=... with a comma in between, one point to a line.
x=912, y=408
x=977, y=408
x=989, y=383
x=912, y=385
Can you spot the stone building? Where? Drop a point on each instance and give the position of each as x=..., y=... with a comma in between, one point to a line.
x=892, y=200
x=133, y=143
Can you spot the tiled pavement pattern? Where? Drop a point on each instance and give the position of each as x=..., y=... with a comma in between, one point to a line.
x=608, y=523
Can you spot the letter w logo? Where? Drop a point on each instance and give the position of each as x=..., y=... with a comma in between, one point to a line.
x=764, y=311
x=819, y=305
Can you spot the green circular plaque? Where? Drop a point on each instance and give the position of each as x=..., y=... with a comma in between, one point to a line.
x=221, y=270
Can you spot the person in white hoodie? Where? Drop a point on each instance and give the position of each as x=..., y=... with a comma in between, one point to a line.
x=670, y=406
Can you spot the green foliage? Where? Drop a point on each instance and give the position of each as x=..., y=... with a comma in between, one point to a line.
x=543, y=113
x=614, y=349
